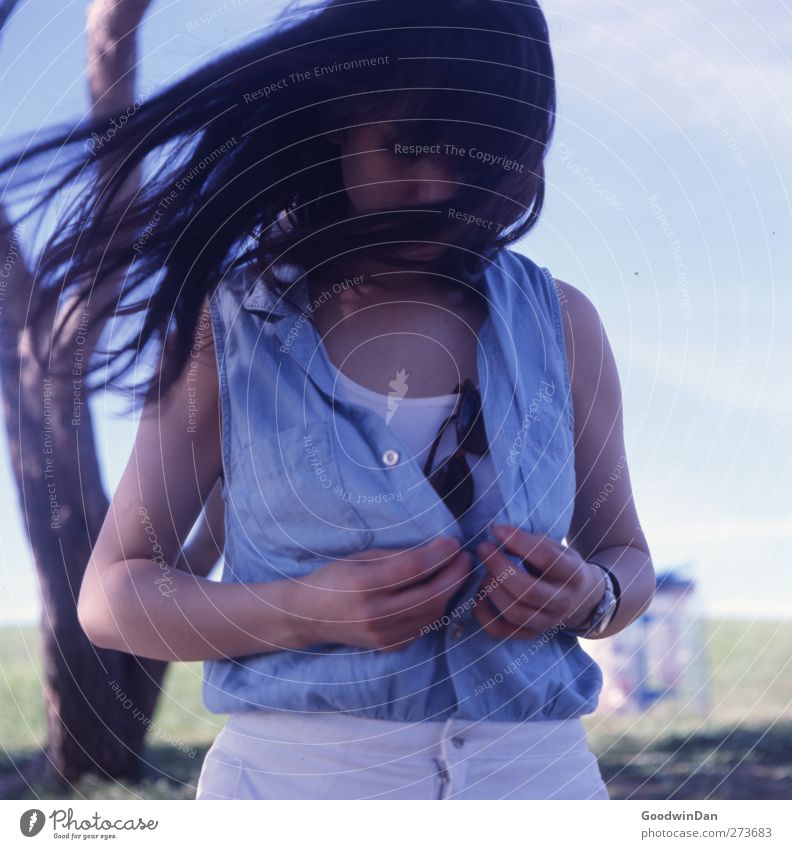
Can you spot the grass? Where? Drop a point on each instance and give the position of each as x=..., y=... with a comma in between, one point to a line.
x=741, y=748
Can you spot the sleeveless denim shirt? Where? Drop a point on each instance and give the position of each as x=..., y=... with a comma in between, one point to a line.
x=309, y=477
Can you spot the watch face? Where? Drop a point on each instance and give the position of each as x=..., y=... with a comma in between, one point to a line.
x=606, y=619
x=602, y=615
x=606, y=612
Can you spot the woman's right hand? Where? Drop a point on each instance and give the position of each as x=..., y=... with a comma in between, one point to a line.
x=381, y=598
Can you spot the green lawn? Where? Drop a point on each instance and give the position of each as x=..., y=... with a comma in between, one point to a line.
x=742, y=749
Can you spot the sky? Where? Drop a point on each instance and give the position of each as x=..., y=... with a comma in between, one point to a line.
x=668, y=205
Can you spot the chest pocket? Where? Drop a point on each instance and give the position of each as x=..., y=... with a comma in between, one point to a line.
x=292, y=500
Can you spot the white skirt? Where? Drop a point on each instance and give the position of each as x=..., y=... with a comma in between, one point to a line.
x=282, y=755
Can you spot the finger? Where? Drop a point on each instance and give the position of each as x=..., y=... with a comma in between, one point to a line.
x=405, y=568
x=492, y=623
x=541, y=551
x=417, y=598
x=411, y=628
x=485, y=612
x=534, y=592
x=504, y=571
x=514, y=612
x=500, y=605
x=499, y=628
x=523, y=616
x=396, y=628
x=506, y=631
x=546, y=599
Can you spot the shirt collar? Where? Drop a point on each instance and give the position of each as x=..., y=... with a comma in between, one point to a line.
x=273, y=307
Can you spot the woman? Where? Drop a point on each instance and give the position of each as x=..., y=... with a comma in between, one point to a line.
x=406, y=418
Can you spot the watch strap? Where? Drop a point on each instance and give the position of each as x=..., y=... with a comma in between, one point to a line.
x=614, y=581
x=608, y=600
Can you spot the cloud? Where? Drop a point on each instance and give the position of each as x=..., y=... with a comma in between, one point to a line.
x=736, y=60
x=725, y=389
x=722, y=529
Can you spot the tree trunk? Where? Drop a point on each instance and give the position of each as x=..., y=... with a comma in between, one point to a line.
x=99, y=703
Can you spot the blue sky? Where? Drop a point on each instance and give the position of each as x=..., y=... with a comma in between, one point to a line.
x=668, y=204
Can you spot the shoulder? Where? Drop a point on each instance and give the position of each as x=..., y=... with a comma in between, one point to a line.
x=584, y=333
x=575, y=307
x=577, y=310
x=591, y=363
x=574, y=311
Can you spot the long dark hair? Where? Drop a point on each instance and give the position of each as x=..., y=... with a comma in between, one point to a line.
x=238, y=166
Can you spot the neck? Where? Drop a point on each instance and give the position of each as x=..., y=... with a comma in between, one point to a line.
x=376, y=279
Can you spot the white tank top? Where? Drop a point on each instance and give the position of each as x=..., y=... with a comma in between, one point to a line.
x=416, y=421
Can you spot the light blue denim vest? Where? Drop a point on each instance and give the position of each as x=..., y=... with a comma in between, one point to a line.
x=310, y=477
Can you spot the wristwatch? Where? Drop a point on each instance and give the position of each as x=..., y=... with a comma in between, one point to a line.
x=603, y=612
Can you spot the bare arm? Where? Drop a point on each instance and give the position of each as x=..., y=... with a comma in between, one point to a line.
x=200, y=554
x=132, y=597
x=605, y=528
x=134, y=600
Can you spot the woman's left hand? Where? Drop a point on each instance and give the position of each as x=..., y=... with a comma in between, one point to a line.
x=511, y=603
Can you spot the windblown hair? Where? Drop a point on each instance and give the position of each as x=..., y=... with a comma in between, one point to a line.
x=238, y=167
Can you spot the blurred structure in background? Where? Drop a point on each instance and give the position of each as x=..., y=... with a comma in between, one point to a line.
x=658, y=658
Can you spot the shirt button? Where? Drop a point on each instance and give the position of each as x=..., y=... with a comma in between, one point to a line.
x=390, y=457
x=458, y=742
x=457, y=630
